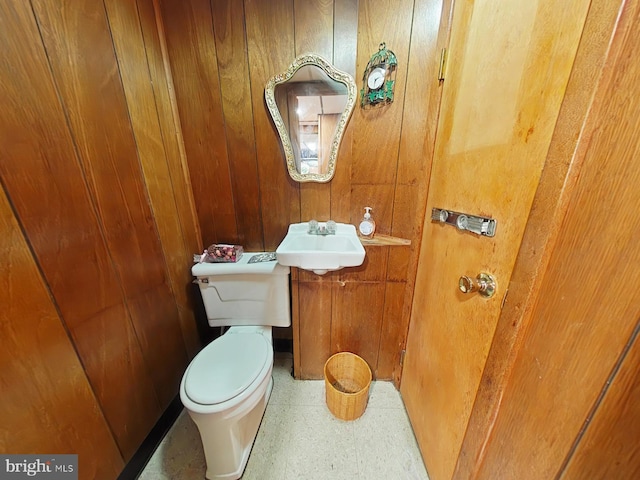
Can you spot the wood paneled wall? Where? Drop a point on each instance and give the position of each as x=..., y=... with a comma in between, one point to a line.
x=91, y=164
x=222, y=53
x=47, y=404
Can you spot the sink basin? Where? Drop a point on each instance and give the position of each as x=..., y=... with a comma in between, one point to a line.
x=320, y=253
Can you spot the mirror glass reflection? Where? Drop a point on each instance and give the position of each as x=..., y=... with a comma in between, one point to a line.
x=310, y=104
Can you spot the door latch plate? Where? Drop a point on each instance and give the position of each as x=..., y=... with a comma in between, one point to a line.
x=471, y=223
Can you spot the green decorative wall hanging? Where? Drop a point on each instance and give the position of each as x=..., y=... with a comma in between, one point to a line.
x=379, y=77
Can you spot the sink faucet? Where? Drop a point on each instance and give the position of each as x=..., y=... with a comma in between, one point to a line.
x=315, y=228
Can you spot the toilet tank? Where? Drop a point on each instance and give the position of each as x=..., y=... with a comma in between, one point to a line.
x=244, y=293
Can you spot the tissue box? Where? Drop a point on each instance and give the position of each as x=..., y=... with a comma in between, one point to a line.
x=223, y=253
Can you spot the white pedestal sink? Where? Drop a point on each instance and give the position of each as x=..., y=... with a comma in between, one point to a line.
x=320, y=253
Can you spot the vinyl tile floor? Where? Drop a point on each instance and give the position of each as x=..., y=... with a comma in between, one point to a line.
x=299, y=439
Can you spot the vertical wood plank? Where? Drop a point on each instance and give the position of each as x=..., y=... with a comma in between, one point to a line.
x=345, y=36
x=345, y=41
x=315, y=327
x=356, y=319
x=609, y=447
x=314, y=27
x=98, y=116
x=295, y=324
x=314, y=33
x=279, y=195
x=422, y=98
x=169, y=120
x=377, y=130
x=422, y=91
x=194, y=65
x=341, y=182
x=393, y=331
x=168, y=115
x=235, y=90
x=46, y=185
x=47, y=404
x=129, y=43
x=405, y=224
x=100, y=124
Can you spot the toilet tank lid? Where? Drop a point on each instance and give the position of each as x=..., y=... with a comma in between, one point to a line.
x=242, y=266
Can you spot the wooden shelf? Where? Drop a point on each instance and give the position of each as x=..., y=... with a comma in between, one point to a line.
x=384, y=240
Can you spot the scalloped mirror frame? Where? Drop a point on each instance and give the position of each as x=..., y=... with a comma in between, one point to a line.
x=334, y=74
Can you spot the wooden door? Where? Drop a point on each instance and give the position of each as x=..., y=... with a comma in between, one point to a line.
x=509, y=64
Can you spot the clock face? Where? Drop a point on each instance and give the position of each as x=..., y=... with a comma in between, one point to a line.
x=376, y=78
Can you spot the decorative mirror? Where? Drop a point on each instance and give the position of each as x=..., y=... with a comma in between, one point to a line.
x=310, y=105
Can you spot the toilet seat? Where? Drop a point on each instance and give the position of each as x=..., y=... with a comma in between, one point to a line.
x=226, y=367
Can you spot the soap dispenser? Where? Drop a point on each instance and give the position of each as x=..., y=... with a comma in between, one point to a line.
x=367, y=226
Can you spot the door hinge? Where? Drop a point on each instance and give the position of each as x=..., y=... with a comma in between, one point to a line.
x=443, y=65
x=402, y=354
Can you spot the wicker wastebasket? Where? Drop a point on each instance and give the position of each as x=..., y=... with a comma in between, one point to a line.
x=347, y=378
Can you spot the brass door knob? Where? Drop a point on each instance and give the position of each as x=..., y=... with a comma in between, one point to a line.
x=484, y=284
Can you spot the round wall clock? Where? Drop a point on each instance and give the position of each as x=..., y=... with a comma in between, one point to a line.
x=378, y=80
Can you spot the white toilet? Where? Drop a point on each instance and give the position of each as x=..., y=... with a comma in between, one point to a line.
x=226, y=387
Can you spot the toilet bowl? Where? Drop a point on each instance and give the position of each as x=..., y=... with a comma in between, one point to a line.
x=226, y=387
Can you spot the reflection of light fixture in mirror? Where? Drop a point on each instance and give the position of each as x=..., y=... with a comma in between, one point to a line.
x=310, y=105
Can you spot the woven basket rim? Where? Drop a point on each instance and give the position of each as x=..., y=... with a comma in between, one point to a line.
x=360, y=360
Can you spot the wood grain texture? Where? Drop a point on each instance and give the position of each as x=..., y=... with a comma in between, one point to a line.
x=128, y=41
x=380, y=239
x=373, y=269
x=562, y=167
x=180, y=182
x=279, y=195
x=429, y=34
x=49, y=192
x=345, y=36
x=406, y=210
x=315, y=304
x=377, y=130
x=112, y=358
x=100, y=125
x=341, y=182
x=492, y=140
x=356, y=319
x=193, y=58
x=235, y=90
x=274, y=32
x=295, y=324
x=585, y=311
x=609, y=447
x=314, y=20
x=393, y=330
x=169, y=118
x=107, y=150
x=47, y=404
x=345, y=41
